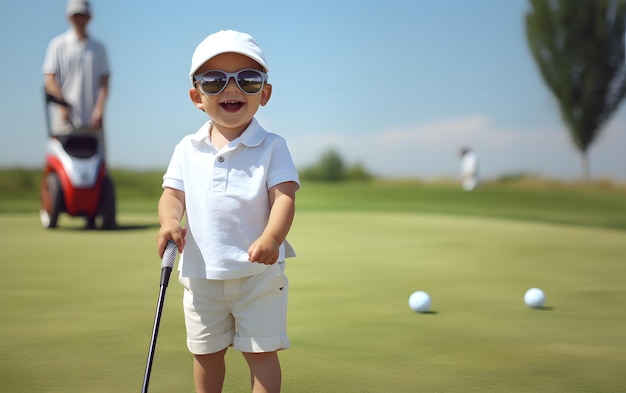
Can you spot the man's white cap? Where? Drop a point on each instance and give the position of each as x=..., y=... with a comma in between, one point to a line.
x=77, y=7
x=226, y=41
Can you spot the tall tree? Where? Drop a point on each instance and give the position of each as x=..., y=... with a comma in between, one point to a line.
x=578, y=46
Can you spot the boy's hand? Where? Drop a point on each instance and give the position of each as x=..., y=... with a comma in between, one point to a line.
x=264, y=250
x=171, y=230
x=171, y=209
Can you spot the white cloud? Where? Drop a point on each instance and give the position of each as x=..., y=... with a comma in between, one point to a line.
x=430, y=150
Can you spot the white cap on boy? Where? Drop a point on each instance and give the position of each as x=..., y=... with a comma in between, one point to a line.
x=226, y=41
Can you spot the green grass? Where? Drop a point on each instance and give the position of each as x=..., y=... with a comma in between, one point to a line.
x=79, y=305
x=351, y=296
x=599, y=204
x=564, y=204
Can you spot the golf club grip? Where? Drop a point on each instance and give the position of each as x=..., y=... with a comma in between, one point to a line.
x=169, y=258
x=169, y=255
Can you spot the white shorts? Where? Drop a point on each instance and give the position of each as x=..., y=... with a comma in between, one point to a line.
x=248, y=313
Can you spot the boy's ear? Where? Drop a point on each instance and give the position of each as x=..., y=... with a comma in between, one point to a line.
x=196, y=98
x=266, y=93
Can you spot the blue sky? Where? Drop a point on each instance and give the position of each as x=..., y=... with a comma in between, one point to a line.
x=396, y=85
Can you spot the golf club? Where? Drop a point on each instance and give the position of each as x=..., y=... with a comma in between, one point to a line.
x=169, y=257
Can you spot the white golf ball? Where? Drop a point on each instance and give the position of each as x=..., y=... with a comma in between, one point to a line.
x=419, y=301
x=534, y=297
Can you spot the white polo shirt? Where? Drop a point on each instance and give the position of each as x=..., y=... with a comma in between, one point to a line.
x=469, y=164
x=79, y=67
x=226, y=198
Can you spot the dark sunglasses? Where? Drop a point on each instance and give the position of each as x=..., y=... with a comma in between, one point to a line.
x=213, y=82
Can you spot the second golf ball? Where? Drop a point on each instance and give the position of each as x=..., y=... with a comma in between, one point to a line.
x=419, y=301
x=534, y=297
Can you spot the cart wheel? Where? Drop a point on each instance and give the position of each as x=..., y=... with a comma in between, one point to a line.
x=106, y=209
x=51, y=200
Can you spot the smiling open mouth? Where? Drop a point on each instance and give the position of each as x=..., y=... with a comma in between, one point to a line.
x=232, y=106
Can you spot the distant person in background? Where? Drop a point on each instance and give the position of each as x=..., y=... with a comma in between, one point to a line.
x=469, y=169
x=76, y=76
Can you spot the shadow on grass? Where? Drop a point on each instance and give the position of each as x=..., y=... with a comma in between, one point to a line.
x=543, y=308
x=118, y=228
x=427, y=312
x=133, y=227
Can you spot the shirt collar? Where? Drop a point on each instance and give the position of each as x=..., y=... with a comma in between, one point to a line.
x=71, y=33
x=252, y=136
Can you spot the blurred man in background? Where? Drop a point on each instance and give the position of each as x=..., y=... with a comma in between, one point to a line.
x=76, y=76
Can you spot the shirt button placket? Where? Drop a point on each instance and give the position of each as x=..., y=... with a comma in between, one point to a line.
x=219, y=175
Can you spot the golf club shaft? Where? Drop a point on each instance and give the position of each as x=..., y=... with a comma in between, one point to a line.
x=155, y=332
x=169, y=257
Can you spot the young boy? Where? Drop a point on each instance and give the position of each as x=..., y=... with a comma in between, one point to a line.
x=236, y=185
